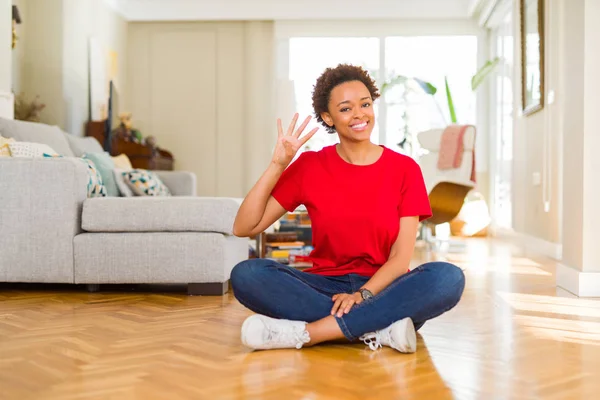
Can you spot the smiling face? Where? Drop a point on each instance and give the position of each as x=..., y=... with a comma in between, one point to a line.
x=350, y=110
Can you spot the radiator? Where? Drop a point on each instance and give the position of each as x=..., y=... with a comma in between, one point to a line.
x=7, y=104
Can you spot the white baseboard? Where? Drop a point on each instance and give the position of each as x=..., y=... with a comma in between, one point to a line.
x=7, y=105
x=531, y=243
x=582, y=284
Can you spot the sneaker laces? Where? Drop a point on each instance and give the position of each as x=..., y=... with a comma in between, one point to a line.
x=288, y=335
x=375, y=340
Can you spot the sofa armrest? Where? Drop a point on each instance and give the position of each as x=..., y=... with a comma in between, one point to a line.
x=180, y=183
x=40, y=213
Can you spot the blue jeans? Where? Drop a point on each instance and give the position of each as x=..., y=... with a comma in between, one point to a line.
x=279, y=291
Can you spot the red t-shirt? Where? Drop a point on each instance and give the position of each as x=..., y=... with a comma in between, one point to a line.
x=355, y=210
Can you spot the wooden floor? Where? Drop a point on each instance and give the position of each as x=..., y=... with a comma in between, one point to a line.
x=513, y=336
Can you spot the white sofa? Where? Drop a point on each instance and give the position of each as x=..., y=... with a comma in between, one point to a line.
x=51, y=232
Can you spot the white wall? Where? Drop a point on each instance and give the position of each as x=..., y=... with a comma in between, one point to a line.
x=572, y=28
x=52, y=57
x=579, y=271
x=18, y=52
x=591, y=139
x=260, y=134
x=560, y=142
x=6, y=98
x=530, y=215
x=41, y=68
x=5, y=45
x=204, y=90
x=82, y=20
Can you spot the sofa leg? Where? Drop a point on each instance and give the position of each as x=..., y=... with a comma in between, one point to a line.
x=93, y=287
x=208, y=289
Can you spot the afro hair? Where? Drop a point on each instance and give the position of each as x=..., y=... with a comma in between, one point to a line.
x=333, y=77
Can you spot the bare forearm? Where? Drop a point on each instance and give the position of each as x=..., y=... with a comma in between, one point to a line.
x=399, y=259
x=394, y=268
x=253, y=207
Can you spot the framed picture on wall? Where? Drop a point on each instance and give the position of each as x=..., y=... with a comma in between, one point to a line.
x=532, y=55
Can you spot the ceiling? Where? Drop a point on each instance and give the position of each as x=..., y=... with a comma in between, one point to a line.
x=189, y=10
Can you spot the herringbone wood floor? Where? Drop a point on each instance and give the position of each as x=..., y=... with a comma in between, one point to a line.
x=513, y=336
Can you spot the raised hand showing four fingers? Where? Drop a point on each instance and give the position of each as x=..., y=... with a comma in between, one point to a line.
x=289, y=143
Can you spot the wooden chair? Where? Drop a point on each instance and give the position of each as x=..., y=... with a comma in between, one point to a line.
x=447, y=188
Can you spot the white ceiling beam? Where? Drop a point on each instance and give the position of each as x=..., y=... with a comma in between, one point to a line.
x=486, y=12
x=114, y=4
x=475, y=7
x=190, y=10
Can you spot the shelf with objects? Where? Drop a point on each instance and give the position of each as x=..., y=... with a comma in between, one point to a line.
x=290, y=240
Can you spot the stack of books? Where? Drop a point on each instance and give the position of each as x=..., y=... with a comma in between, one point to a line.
x=284, y=247
x=298, y=223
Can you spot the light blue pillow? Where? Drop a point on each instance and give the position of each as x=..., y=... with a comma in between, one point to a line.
x=105, y=166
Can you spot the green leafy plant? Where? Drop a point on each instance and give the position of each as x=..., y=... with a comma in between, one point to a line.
x=428, y=88
x=401, y=79
x=450, y=102
x=484, y=72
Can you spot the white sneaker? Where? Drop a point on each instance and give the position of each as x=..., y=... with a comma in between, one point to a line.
x=261, y=332
x=400, y=335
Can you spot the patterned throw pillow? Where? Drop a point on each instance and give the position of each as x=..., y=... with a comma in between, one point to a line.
x=145, y=183
x=124, y=189
x=95, y=186
x=29, y=149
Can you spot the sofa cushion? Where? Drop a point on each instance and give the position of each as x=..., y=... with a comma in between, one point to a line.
x=24, y=131
x=156, y=257
x=160, y=214
x=81, y=145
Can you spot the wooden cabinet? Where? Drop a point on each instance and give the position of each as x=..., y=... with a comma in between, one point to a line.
x=141, y=156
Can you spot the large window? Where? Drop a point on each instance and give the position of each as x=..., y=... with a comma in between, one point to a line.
x=405, y=109
x=432, y=59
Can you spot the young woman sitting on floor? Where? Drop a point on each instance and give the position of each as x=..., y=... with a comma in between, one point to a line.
x=365, y=203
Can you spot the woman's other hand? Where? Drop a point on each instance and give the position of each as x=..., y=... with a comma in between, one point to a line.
x=343, y=302
x=289, y=143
